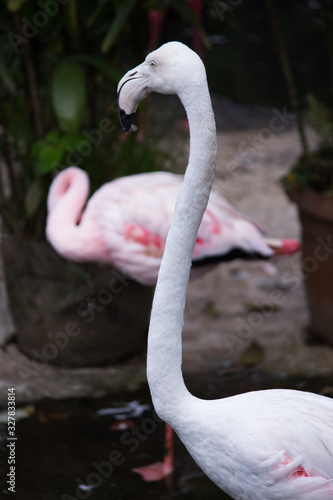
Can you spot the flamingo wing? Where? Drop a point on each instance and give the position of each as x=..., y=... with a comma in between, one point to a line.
x=275, y=444
x=225, y=231
x=134, y=214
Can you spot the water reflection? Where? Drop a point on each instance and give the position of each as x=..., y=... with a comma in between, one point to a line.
x=85, y=449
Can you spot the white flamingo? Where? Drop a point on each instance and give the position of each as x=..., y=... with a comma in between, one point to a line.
x=264, y=445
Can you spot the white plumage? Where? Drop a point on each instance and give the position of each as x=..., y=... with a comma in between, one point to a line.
x=265, y=445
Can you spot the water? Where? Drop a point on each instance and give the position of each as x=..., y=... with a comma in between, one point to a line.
x=80, y=449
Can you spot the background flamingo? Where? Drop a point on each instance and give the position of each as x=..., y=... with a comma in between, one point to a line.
x=125, y=224
x=264, y=445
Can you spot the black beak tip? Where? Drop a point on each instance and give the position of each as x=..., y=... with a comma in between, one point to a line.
x=125, y=120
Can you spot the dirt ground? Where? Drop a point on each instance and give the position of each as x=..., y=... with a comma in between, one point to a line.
x=247, y=316
x=236, y=314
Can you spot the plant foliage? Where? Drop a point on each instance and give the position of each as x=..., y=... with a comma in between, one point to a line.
x=60, y=61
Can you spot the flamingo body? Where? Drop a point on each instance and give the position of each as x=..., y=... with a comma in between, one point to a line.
x=125, y=223
x=273, y=444
x=265, y=445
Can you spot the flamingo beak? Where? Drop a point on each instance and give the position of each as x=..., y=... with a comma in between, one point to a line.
x=132, y=89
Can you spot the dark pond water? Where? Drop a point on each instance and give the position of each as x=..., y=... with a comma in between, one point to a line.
x=85, y=449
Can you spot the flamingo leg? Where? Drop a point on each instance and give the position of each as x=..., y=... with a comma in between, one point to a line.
x=160, y=470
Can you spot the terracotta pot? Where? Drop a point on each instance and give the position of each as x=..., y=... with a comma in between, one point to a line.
x=71, y=314
x=316, y=217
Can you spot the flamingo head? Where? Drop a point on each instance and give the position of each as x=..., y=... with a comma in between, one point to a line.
x=62, y=184
x=171, y=69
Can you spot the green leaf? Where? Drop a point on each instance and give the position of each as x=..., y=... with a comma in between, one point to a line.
x=18, y=122
x=117, y=24
x=72, y=140
x=51, y=150
x=105, y=67
x=68, y=94
x=6, y=78
x=33, y=197
x=321, y=119
x=73, y=23
x=48, y=151
x=92, y=18
x=14, y=5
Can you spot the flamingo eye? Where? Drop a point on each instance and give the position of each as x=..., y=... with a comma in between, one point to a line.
x=152, y=64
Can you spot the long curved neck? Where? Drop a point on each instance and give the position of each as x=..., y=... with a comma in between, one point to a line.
x=165, y=332
x=67, y=198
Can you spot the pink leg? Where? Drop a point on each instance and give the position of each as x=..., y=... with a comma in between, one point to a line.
x=283, y=246
x=159, y=470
